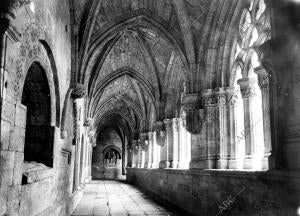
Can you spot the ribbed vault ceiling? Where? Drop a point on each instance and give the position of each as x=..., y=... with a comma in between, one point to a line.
x=137, y=56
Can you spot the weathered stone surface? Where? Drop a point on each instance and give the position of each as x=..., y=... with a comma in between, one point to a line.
x=18, y=168
x=8, y=111
x=20, y=119
x=204, y=192
x=6, y=167
x=17, y=139
x=5, y=135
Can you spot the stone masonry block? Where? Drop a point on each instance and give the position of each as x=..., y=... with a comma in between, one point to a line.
x=17, y=139
x=20, y=119
x=18, y=168
x=5, y=134
x=6, y=167
x=8, y=111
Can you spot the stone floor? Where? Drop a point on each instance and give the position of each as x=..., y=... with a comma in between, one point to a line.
x=116, y=198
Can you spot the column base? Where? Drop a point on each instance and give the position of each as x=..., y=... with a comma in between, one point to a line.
x=164, y=164
x=202, y=164
x=268, y=162
x=222, y=164
x=248, y=163
x=174, y=165
x=183, y=165
x=232, y=164
x=154, y=166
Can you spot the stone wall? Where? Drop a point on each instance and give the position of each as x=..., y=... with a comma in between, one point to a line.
x=39, y=33
x=213, y=192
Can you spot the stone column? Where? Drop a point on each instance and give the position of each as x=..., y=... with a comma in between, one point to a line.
x=232, y=98
x=78, y=93
x=195, y=125
x=162, y=144
x=167, y=149
x=212, y=128
x=139, y=154
x=135, y=149
x=263, y=82
x=182, y=145
x=224, y=126
x=155, y=151
x=176, y=123
x=248, y=94
x=149, y=154
x=129, y=155
x=145, y=149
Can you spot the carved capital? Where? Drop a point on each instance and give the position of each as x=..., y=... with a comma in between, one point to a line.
x=79, y=91
x=263, y=77
x=168, y=124
x=176, y=123
x=191, y=102
x=135, y=144
x=159, y=126
x=232, y=96
x=210, y=99
x=220, y=96
x=247, y=88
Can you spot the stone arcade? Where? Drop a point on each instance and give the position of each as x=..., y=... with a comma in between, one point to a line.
x=194, y=102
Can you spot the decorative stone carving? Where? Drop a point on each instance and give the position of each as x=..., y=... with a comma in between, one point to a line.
x=176, y=123
x=263, y=77
x=129, y=148
x=135, y=144
x=247, y=88
x=159, y=128
x=231, y=96
x=210, y=99
x=192, y=106
x=221, y=97
x=79, y=91
x=191, y=102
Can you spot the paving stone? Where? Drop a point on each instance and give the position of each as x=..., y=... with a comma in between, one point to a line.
x=114, y=198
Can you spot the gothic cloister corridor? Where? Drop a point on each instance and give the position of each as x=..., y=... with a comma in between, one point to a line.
x=150, y=107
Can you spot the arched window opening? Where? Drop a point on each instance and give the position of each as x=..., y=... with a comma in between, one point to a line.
x=39, y=133
x=112, y=157
x=251, y=79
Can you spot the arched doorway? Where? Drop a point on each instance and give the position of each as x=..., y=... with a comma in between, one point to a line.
x=39, y=134
x=112, y=162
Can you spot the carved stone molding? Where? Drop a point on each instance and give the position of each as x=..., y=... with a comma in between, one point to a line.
x=247, y=88
x=176, y=124
x=221, y=97
x=209, y=98
x=191, y=102
x=168, y=124
x=263, y=77
x=192, y=105
x=232, y=96
x=159, y=126
x=160, y=129
x=79, y=91
x=135, y=145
